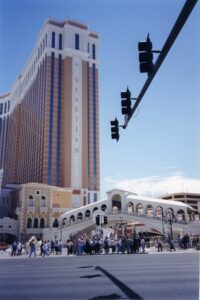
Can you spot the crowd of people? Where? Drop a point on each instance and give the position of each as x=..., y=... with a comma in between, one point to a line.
x=90, y=245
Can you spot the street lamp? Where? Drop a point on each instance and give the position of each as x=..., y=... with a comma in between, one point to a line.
x=163, y=229
x=170, y=222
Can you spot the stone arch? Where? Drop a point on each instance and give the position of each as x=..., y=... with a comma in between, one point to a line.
x=159, y=211
x=149, y=210
x=72, y=219
x=87, y=213
x=80, y=216
x=104, y=207
x=130, y=207
x=94, y=209
x=169, y=213
x=35, y=223
x=64, y=221
x=180, y=215
x=42, y=223
x=29, y=223
x=116, y=203
x=139, y=208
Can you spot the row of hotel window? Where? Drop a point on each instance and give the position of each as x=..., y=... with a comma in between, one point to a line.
x=76, y=43
x=4, y=107
x=53, y=45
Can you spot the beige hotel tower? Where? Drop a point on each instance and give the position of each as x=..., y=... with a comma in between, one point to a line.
x=49, y=122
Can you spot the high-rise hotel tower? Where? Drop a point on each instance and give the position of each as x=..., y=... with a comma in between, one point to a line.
x=49, y=126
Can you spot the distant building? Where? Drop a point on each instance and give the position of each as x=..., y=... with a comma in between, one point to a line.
x=40, y=207
x=192, y=199
x=49, y=122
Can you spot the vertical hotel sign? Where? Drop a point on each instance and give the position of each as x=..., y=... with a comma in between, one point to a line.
x=76, y=161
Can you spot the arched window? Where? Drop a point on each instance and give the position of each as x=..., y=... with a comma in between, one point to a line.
x=180, y=215
x=30, y=201
x=72, y=219
x=104, y=207
x=95, y=208
x=149, y=210
x=130, y=207
x=42, y=223
x=116, y=203
x=43, y=201
x=87, y=213
x=55, y=223
x=139, y=208
x=80, y=216
x=29, y=223
x=35, y=223
x=64, y=221
x=170, y=213
x=159, y=212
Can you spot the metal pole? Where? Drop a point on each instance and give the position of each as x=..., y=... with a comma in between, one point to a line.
x=182, y=18
x=163, y=223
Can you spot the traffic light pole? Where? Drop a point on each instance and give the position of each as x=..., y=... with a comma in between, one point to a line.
x=182, y=18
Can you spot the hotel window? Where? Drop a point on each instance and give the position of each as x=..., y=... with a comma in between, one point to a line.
x=1, y=108
x=53, y=40
x=95, y=197
x=30, y=201
x=77, y=41
x=93, y=51
x=60, y=41
x=5, y=107
x=43, y=201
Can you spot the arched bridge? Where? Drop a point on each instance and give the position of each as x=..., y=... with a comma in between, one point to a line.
x=122, y=205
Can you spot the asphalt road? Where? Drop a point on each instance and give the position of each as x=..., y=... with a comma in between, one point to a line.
x=97, y=277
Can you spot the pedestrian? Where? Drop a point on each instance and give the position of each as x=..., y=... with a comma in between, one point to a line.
x=142, y=245
x=159, y=245
x=171, y=245
x=45, y=249
x=106, y=245
x=32, y=248
x=19, y=248
x=14, y=248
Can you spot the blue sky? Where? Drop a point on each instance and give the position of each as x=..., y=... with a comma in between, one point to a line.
x=159, y=152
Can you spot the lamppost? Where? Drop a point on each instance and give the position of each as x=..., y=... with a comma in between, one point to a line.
x=170, y=222
x=61, y=226
x=163, y=229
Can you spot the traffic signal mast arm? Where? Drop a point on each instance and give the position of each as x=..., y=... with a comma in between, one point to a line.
x=182, y=18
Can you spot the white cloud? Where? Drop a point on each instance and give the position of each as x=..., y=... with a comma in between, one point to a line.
x=154, y=185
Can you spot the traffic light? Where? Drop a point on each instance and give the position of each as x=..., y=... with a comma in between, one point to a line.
x=115, y=129
x=146, y=56
x=105, y=220
x=126, y=102
x=97, y=219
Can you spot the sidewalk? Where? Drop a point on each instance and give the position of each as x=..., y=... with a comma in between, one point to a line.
x=152, y=250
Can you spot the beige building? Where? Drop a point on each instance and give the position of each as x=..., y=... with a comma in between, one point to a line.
x=40, y=208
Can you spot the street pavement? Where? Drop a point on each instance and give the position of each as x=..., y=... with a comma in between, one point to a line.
x=160, y=276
